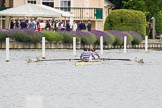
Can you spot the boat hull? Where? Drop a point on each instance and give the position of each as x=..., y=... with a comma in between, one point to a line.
x=78, y=63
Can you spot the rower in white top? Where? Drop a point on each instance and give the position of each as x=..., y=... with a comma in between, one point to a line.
x=89, y=55
x=94, y=54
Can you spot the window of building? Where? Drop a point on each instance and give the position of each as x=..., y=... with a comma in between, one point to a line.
x=49, y=3
x=32, y=1
x=2, y=3
x=65, y=5
x=11, y=3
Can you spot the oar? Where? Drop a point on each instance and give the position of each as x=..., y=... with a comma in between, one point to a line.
x=70, y=59
x=135, y=59
x=115, y=59
x=29, y=60
x=57, y=59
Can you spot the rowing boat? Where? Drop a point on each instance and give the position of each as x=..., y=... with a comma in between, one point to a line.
x=78, y=63
x=29, y=60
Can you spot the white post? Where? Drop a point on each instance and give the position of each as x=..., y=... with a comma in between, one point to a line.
x=7, y=50
x=146, y=43
x=125, y=44
x=153, y=27
x=38, y=2
x=25, y=1
x=101, y=45
x=43, y=48
x=71, y=21
x=74, y=46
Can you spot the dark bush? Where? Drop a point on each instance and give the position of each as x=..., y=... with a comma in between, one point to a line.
x=130, y=38
x=137, y=38
x=20, y=35
x=98, y=34
x=24, y=35
x=114, y=37
x=158, y=19
x=111, y=37
x=3, y=35
x=67, y=36
x=86, y=38
x=119, y=36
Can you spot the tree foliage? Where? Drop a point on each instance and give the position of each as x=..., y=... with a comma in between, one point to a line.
x=159, y=23
x=149, y=7
x=118, y=3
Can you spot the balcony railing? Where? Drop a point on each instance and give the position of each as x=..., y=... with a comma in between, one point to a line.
x=84, y=13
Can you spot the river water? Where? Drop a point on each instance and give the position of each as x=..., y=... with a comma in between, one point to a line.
x=61, y=84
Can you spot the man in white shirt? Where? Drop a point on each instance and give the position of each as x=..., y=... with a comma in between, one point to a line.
x=74, y=26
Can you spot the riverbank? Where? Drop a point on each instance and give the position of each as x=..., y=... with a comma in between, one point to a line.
x=152, y=43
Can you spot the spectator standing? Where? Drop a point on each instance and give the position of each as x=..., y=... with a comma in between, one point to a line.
x=32, y=24
x=62, y=26
x=17, y=23
x=38, y=28
x=89, y=25
x=58, y=25
x=38, y=23
x=48, y=25
x=81, y=26
x=74, y=26
x=42, y=25
x=23, y=24
x=12, y=24
x=54, y=25
x=67, y=26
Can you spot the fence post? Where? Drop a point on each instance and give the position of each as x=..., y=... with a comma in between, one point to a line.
x=74, y=46
x=7, y=50
x=43, y=48
x=101, y=45
x=125, y=44
x=146, y=43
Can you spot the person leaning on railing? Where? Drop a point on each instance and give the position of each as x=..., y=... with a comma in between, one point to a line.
x=89, y=25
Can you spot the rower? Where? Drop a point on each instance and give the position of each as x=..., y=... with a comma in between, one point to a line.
x=89, y=55
x=94, y=54
x=85, y=55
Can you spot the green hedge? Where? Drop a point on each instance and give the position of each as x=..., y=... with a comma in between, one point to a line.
x=137, y=38
x=67, y=37
x=126, y=20
x=110, y=37
x=22, y=35
x=52, y=36
x=3, y=35
x=87, y=38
